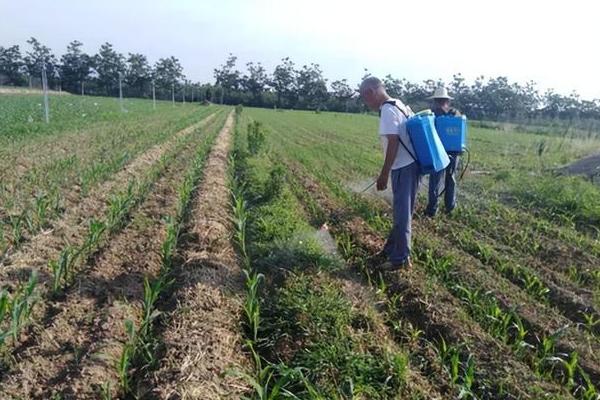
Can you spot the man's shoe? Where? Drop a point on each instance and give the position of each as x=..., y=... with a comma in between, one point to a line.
x=390, y=266
x=429, y=213
x=377, y=258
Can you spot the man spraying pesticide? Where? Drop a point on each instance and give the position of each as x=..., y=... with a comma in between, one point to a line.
x=441, y=108
x=401, y=164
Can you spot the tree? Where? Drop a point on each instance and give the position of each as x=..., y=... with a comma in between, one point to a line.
x=75, y=68
x=109, y=64
x=342, y=93
x=38, y=57
x=228, y=78
x=394, y=87
x=138, y=74
x=255, y=82
x=283, y=82
x=11, y=66
x=312, y=87
x=167, y=73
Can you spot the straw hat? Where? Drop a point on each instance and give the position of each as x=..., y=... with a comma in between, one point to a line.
x=440, y=93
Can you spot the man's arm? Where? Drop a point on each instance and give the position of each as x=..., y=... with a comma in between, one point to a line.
x=390, y=156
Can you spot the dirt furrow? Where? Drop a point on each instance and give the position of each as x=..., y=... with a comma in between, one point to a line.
x=76, y=350
x=572, y=301
x=71, y=225
x=551, y=251
x=21, y=158
x=203, y=334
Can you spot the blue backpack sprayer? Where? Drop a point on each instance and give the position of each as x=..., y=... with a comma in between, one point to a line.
x=453, y=134
x=433, y=138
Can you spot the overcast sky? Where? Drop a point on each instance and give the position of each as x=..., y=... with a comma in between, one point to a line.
x=554, y=43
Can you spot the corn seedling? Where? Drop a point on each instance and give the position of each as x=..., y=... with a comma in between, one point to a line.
x=168, y=246
x=570, y=367
x=118, y=207
x=587, y=391
x=240, y=221
x=127, y=354
x=95, y=231
x=42, y=204
x=545, y=356
x=252, y=302
x=185, y=193
x=591, y=321
x=414, y=333
x=151, y=293
x=21, y=305
x=519, y=344
x=270, y=381
x=535, y=287
x=61, y=268
x=468, y=380
x=499, y=321
x=454, y=364
x=16, y=224
x=484, y=252
x=575, y=275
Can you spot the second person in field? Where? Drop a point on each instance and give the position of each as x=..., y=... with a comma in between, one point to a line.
x=441, y=107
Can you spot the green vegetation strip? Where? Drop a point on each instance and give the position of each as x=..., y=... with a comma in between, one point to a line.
x=539, y=351
x=456, y=361
x=301, y=329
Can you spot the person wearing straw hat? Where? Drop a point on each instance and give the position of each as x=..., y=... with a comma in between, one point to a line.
x=441, y=106
x=399, y=164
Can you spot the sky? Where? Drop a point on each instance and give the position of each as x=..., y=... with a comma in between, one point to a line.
x=554, y=43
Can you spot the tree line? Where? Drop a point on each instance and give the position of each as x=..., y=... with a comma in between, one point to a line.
x=287, y=86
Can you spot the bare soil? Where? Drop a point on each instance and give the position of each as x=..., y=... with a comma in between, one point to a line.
x=203, y=334
x=75, y=347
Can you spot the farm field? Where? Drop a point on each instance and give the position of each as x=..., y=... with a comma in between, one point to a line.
x=208, y=252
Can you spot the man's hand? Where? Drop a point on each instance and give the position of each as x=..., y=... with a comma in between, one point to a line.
x=382, y=181
x=390, y=156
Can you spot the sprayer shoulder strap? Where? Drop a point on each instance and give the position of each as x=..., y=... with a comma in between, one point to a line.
x=393, y=103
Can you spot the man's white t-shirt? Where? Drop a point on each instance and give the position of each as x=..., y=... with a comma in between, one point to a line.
x=393, y=122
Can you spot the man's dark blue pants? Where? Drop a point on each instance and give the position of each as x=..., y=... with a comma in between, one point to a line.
x=449, y=187
x=405, y=185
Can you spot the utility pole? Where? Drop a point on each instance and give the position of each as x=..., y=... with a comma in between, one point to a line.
x=121, y=92
x=45, y=89
x=153, y=96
